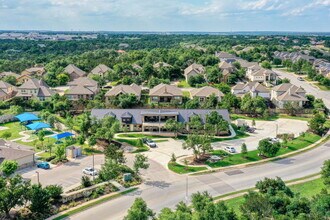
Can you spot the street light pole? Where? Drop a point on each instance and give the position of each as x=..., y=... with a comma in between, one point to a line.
x=38, y=177
x=187, y=189
x=93, y=167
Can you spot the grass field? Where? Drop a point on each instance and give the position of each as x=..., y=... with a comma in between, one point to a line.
x=136, y=135
x=234, y=159
x=134, y=143
x=14, y=128
x=307, y=189
x=183, y=84
x=178, y=168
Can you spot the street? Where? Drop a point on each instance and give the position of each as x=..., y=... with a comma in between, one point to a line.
x=164, y=189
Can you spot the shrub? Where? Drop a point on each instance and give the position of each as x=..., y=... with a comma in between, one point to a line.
x=48, y=159
x=86, y=181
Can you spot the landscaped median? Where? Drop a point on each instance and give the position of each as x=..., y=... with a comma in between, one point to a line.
x=297, y=145
x=91, y=204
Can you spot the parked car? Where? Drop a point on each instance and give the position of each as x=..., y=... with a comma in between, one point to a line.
x=274, y=140
x=300, y=78
x=251, y=129
x=90, y=171
x=230, y=149
x=43, y=165
x=151, y=143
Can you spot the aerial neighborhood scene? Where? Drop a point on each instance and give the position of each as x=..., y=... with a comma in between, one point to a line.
x=165, y=110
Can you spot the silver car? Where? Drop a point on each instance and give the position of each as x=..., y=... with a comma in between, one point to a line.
x=230, y=149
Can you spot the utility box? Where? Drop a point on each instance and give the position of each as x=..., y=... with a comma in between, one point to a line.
x=73, y=152
x=127, y=177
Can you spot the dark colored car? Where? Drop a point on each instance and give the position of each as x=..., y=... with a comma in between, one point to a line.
x=43, y=165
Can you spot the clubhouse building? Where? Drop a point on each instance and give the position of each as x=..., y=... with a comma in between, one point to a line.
x=153, y=120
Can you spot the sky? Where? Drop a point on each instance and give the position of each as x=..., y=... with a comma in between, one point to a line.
x=166, y=15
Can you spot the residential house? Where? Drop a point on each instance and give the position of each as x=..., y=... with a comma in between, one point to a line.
x=123, y=89
x=226, y=68
x=253, y=88
x=164, y=93
x=194, y=70
x=6, y=90
x=74, y=72
x=23, y=78
x=227, y=57
x=5, y=74
x=245, y=64
x=35, y=88
x=153, y=120
x=100, y=70
x=205, y=92
x=161, y=64
x=23, y=155
x=82, y=88
x=261, y=75
x=34, y=71
x=288, y=93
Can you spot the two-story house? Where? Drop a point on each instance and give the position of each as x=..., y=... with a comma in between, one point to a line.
x=253, y=88
x=35, y=88
x=123, y=89
x=74, y=72
x=82, y=88
x=288, y=93
x=194, y=70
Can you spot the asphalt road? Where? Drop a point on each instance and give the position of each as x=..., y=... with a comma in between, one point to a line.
x=164, y=189
x=310, y=89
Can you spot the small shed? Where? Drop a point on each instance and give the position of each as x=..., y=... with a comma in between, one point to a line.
x=73, y=151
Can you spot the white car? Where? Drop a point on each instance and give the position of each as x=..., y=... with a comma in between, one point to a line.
x=230, y=149
x=151, y=143
x=300, y=79
x=90, y=171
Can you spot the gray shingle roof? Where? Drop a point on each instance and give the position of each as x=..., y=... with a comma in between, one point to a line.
x=124, y=89
x=183, y=114
x=165, y=90
x=101, y=68
x=198, y=68
x=73, y=69
x=206, y=91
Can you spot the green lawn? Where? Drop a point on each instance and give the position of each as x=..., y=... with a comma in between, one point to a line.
x=134, y=143
x=14, y=128
x=239, y=135
x=136, y=135
x=307, y=189
x=183, y=84
x=271, y=118
x=177, y=168
x=234, y=159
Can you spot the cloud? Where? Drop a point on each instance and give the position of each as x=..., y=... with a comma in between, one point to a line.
x=159, y=14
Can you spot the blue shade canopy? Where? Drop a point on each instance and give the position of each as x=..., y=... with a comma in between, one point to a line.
x=26, y=117
x=38, y=125
x=62, y=135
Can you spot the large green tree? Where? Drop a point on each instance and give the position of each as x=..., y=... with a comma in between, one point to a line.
x=139, y=210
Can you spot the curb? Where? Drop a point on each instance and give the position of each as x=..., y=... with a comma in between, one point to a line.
x=240, y=166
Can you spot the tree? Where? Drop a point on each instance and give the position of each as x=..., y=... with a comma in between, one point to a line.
x=6, y=135
x=62, y=79
x=41, y=137
x=265, y=147
x=173, y=126
x=244, y=150
x=109, y=170
x=316, y=124
x=86, y=181
x=60, y=152
x=112, y=152
x=265, y=64
x=10, y=79
x=140, y=162
x=13, y=192
x=326, y=172
x=55, y=193
x=200, y=201
x=273, y=187
x=256, y=206
x=8, y=167
x=139, y=210
x=40, y=200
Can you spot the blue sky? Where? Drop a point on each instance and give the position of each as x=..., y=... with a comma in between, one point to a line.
x=166, y=15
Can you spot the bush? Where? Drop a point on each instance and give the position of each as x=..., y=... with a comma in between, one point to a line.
x=48, y=159
x=55, y=192
x=86, y=181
